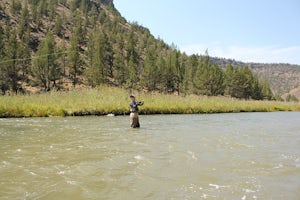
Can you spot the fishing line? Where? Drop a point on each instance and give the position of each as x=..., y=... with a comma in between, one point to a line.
x=34, y=57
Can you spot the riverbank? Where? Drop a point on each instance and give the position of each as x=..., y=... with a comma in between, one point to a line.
x=106, y=100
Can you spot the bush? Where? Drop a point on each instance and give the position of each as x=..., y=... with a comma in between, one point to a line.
x=291, y=98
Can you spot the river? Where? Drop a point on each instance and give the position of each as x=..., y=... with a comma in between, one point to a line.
x=214, y=156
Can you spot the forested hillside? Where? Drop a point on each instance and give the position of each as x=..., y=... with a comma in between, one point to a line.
x=283, y=77
x=59, y=44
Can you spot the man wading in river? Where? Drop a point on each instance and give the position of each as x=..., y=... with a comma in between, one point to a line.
x=134, y=112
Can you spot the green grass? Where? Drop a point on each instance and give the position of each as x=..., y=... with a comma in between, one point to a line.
x=107, y=100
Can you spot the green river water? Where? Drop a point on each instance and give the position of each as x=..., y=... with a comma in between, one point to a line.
x=217, y=156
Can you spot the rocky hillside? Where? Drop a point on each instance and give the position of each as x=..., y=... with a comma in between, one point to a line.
x=60, y=44
x=283, y=78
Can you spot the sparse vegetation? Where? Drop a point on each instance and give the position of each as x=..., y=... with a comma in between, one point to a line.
x=107, y=100
x=291, y=98
x=282, y=77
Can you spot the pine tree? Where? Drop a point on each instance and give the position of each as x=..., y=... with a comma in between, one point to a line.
x=33, y=8
x=161, y=65
x=132, y=61
x=95, y=71
x=24, y=53
x=79, y=32
x=83, y=6
x=42, y=8
x=2, y=42
x=116, y=52
x=45, y=68
x=102, y=17
x=74, y=60
x=74, y=5
x=15, y=6
x=186, y=80
x=246, y=79
x=256, y=89
x=24, y=23
x=120, y=69
x=58, y=27
x=63, y=57
x=229, y=80
x=241, y=83
x=149, y=74
x=216, y=81
x=238, y=81
x=209, y=78
x=200, y=79
x=108, y=55
x=63, y=2
x=100, y=58
x=183, y=88
x=178, y=70
x=12, y=66
x=3, y=68
x=170, y=76
x=291, y=98
x=190, y=71
x=52, y=9
x=93, y=13
x=266, y=90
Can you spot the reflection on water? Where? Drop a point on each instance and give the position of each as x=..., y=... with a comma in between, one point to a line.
x=219, y=156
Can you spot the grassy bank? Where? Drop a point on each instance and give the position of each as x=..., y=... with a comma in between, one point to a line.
x=114, y=100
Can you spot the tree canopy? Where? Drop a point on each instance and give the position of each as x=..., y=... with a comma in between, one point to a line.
x=88, y=43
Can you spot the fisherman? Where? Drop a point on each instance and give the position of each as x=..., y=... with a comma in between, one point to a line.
x=134, y=112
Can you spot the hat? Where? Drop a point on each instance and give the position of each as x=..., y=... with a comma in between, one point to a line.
x=131, y=96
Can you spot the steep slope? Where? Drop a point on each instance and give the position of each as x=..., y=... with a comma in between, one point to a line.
x=28, y=22
x=60, y=44
x=283, y=77
x=294, y=93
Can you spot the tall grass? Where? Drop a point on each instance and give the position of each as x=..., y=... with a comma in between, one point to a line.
x=169, y=104
x=107, y=100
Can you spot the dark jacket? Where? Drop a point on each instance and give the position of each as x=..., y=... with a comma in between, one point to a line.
x=134, y=106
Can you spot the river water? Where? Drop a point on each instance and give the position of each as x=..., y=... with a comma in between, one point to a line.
x=216, y=156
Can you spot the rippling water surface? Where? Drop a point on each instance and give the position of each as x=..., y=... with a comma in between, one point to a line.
x=218, y=156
